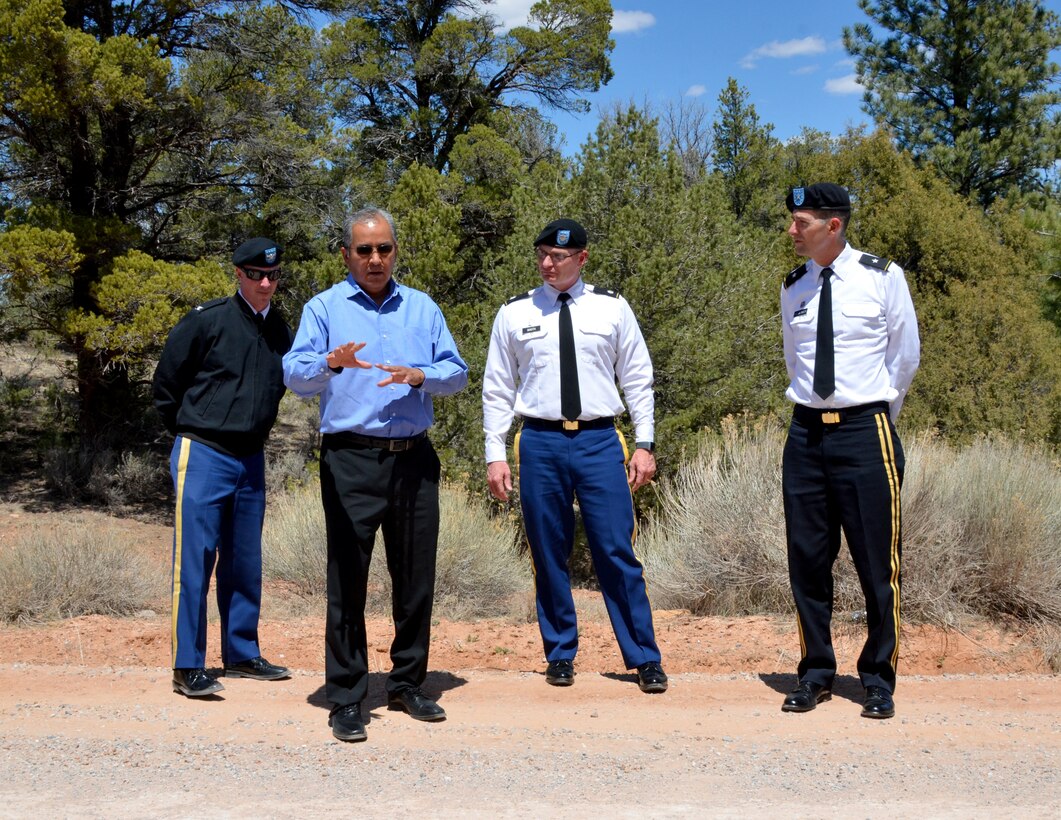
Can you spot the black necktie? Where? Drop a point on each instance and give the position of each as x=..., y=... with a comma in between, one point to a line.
x=824, y=364
x=259, y=320
x=570, y=399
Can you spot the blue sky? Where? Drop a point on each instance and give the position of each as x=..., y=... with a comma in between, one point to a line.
x=788, y=55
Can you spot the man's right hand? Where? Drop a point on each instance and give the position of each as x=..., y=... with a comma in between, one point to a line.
x=346, y=356
x=499, y=477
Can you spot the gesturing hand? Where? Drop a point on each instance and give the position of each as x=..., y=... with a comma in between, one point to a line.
x=345, y=355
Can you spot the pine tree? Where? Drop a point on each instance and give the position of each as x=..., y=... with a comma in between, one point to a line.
x=966, y=86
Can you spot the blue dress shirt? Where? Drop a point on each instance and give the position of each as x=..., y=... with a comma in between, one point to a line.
x=408, y=329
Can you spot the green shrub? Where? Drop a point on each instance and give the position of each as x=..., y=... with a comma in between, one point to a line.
x=479, y=571
x=76, y=570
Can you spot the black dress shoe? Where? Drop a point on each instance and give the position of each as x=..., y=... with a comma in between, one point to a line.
x=805, y=697
x=651, y=677
x=560, y=673
x=195, y=683
x=347, y=724
x=257, y=668
x=878, y=703
x=416, y=703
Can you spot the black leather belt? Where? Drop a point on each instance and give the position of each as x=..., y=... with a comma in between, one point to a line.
x=559, y=424
x=394, y=445
x=835, y=415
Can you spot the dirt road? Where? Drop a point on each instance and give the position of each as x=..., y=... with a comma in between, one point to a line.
x=96, y=741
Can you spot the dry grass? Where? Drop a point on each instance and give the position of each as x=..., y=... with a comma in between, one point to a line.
x=479, y=571
x=52, y=573
x=718, y=546
x=981, y=532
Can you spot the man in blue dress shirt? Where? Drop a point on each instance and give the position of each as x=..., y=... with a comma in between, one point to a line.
x=378, y=468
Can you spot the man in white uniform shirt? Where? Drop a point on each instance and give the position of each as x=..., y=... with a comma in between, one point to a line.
x=555, y=355
x=851, y=351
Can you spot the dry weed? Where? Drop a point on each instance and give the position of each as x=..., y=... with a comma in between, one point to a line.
x=479, y=571
x=49, y=573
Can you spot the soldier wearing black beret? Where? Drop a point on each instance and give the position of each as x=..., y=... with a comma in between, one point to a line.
x=851, y=351
x=218, y=387
x=557, y=354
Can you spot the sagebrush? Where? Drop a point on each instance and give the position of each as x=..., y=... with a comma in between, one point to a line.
x=981, y=531
x=479, y=570
x=76, y=570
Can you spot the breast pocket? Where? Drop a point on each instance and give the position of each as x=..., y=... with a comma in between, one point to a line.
x=596, y=342
x=862, y=319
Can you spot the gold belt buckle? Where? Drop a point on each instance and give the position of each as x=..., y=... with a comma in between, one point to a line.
x=573, y=425
x=830, y=418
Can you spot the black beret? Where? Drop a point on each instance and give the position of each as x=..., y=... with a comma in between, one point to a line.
x=259, y=252
x=562, y=233
x=822, y=196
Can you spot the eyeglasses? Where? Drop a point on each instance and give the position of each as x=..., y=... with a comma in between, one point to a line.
x=556, y=256
x=383, y=249
x=256, y=275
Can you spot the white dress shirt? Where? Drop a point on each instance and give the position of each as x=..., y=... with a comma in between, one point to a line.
x=875, y=340
x=523, y=366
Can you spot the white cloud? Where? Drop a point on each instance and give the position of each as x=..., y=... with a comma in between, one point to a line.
x=806, y=69
x=844, y=85
x=512, y=13
x=623, y=22
x=783, y=50
x=696, y=91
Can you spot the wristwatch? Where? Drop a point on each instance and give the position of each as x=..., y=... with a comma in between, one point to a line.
x=645, y=445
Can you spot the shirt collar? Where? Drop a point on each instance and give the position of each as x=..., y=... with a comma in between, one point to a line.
x=574, y=291
x=837, y=264
x=358, y=290
x=265, y=310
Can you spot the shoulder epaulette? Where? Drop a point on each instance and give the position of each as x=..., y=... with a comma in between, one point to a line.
x=871, y=261
x=604, y=291
x=212, y=303
x=795, y=275
x=519, y=296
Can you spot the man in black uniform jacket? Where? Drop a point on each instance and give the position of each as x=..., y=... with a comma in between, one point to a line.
x=218, y=387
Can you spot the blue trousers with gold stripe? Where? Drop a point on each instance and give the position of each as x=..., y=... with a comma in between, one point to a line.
x=219, y=515
x=848, y=476
x=555, y=467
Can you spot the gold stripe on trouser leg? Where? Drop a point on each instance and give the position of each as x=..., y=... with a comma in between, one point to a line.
x=633, y=513
x=515, y=459
x=802, y=640
x=887, y=447
x=178, y=540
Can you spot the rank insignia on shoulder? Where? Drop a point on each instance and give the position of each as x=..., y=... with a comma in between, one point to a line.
x=519, y=296
x=212, y=303
x=878, y=262
x=604, y=291
x=795, y=275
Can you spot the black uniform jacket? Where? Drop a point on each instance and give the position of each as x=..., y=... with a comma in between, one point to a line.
x=220, y=378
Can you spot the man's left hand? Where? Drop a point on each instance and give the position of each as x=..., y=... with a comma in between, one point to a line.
x=641, y=469
x=412, y=376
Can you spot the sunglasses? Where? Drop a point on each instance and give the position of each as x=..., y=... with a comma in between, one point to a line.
x=365, y=251
x=256, y=275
